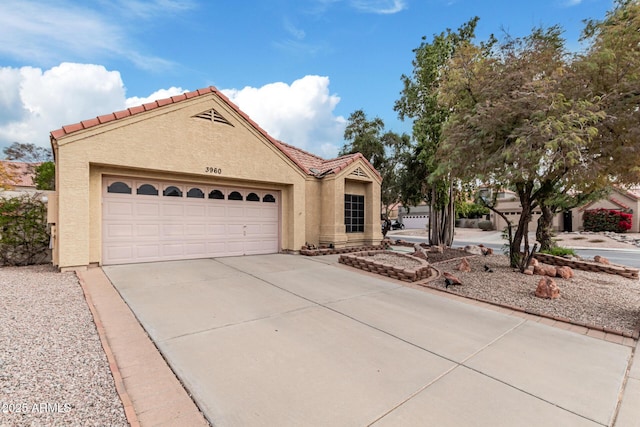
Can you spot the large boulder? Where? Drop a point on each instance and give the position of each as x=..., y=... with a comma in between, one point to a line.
x=547, y=288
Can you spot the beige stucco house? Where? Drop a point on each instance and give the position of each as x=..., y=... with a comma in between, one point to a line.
x=192, y=176
x=618, y=199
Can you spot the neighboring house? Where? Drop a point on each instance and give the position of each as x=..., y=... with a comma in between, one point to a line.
x=414, y=216
x=571, y=220
x=22, y=178
x=618, y=199
x=192, y=176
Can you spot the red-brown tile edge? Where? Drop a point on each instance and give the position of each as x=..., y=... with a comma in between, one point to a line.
x=129, y=411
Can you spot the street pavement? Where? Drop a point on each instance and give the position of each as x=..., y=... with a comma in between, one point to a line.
x=290, y=340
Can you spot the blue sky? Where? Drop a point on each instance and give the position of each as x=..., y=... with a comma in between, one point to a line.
x=299, y=68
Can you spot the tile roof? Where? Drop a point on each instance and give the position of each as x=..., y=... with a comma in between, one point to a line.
x=21, y=173
x=309, y=163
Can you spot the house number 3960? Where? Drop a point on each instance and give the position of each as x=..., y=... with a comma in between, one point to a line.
x=209, y=169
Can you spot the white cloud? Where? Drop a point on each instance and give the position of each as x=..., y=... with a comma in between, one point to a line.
x=41, y=101
x=159, y=94
x=300, y=114
x=34, y=102
x=381, y=7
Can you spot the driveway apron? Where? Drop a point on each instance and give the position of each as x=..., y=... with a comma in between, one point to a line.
x=287, y=340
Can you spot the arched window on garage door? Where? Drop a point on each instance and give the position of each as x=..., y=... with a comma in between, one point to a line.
x=216, y=194
x=253, y=197
x=195, y=193
x=234, y=195
x=268, y=198
x=147, y=190
x=119, y=187
x=172, y=191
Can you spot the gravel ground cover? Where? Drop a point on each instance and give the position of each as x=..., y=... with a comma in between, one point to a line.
x=589, y=298
x=53, y=369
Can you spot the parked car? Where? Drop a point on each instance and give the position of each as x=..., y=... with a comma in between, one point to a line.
x=397, y=225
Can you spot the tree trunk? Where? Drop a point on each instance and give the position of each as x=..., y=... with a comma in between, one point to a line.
x=544, y=232
x=441, y=218
x=516, y=257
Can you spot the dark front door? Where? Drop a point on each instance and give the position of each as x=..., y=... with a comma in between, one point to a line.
x=567, y=221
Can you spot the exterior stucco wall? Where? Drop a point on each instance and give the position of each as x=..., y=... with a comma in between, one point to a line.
x=169, y=144
x=332, y=228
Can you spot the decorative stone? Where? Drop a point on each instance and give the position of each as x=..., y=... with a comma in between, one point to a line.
x=473, y=249
x=464, y=266
x=601, y=260
x=547, y=288
x=564, y=272
x=528, y=272
x=450, y=279
x=533, y=262
x=436, y=249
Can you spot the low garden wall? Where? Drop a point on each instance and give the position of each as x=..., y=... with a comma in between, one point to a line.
x=360, y=260
x=628, y=272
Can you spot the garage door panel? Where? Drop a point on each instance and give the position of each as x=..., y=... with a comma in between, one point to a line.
x=147, y=252
x=173, y=210
x=195, y=230
x=235, y=230
x=147, y=209
x=118, y=231
x=119, y=208
x=195, y=211
x=153, y=227
x=235, y=212
x=148, y=230
x=217, y=212
x=173, y=230
x=121, y=253
x=196, y=248
x=173, y=250
x=216, y=230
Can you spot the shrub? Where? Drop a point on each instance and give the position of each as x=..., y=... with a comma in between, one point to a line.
x=607, y=220
x=24, y=237
x=485, y=225
x=559, y=251
x=470, y=210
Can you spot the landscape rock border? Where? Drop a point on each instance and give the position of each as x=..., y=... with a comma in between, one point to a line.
x=628, y=272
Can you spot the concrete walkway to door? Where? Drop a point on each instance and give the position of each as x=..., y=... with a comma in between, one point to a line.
x=288, y=340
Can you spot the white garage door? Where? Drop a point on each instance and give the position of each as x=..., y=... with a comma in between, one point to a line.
x=146, y=220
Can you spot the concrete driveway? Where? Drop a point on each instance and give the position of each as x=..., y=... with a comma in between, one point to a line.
x=289, y=340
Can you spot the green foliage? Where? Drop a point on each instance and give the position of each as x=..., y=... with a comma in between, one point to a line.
x=470, y=210
x=419, y=102
x=24, y=237
x=559, y=251
x=45, y=176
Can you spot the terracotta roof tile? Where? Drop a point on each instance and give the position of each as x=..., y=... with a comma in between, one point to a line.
x=307, y=162
x=122, y=114
x=137, y=109
x=107, y=118
x=89, y=123
x=72, y=128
